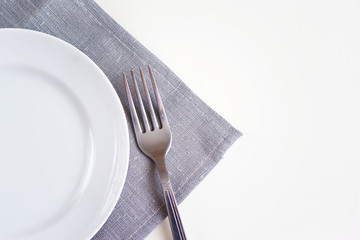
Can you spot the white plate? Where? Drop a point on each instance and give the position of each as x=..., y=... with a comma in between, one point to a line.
x=63, y=140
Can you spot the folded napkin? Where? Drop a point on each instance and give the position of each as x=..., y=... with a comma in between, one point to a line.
x=200, y=135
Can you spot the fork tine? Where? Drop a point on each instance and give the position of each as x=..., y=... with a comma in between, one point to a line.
x=134, y=116
x=162, y=113
x=151, y=108
x=142, y=109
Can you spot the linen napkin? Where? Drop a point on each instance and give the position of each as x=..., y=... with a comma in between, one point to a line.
x=200, y=135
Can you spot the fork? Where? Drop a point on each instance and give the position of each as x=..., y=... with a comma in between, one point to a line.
x=154, y=139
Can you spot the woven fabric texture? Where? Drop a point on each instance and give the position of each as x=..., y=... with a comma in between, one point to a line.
x=200, y=135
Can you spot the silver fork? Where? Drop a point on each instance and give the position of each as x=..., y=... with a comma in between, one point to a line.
x=155, y=142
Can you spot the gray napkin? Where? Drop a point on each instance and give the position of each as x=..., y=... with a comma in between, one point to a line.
x=200, y=135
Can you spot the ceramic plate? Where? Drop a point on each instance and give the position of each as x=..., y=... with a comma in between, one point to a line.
x=63, y=140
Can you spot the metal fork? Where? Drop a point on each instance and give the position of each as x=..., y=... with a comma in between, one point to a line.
x=155, y=140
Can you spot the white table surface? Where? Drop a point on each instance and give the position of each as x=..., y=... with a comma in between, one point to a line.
x=285, y=73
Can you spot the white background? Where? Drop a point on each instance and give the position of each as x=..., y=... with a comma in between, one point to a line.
x=285, y=73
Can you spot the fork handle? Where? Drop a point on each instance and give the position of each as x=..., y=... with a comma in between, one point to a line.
x=177, y=228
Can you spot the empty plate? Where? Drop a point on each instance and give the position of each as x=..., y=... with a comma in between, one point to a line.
x=63, y=140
